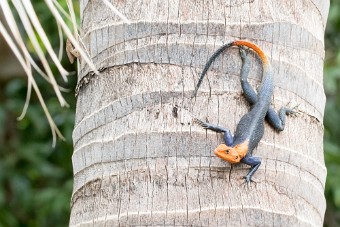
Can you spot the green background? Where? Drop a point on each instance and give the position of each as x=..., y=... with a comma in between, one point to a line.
x=36, y=180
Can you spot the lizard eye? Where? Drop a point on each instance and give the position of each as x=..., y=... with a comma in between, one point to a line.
x=227, y=151
x=236, y=157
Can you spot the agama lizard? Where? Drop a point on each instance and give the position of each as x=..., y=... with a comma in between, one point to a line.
x=250, y=129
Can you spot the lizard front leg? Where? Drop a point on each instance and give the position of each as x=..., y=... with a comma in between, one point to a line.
x=228, y=137
x=254, y=162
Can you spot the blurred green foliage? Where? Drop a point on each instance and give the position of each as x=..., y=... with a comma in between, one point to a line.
x=332, y=115
x=36, y=180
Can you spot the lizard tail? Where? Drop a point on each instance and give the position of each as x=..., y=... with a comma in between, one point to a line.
x=254, y=47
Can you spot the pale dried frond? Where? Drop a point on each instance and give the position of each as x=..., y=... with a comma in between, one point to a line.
x=115, y=11
x=31, y=82
x=29, y=20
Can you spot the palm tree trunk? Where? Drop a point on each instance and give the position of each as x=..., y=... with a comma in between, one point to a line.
x=139, y=160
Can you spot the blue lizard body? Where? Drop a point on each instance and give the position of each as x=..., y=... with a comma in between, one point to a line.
x=250, y=129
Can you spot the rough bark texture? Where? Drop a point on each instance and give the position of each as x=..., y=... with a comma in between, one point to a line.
x=138, y=160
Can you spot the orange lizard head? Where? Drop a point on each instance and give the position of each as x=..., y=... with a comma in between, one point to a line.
x=232, y=154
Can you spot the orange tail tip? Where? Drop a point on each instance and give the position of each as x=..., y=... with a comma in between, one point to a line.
x=253, y=46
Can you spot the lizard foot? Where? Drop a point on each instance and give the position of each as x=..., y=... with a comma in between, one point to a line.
x=248, y=180
x=292, y=111
x=243, y=52
x=200, y=123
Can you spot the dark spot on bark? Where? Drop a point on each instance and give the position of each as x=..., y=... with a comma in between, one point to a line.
x=132, y=187
x=174, y=111
x=156, y=114
x=158, y=180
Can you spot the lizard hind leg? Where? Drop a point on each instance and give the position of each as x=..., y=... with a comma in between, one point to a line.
x=248, y=91
x=278, y=120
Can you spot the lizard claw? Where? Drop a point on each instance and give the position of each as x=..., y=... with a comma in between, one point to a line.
x=248, y=180
x=292, y=111
x=200, y=123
